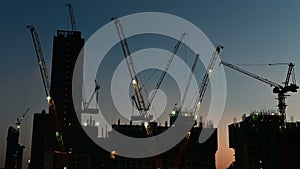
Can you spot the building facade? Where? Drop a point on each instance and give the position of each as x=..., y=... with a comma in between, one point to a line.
x=263, y=140
x=42, y=142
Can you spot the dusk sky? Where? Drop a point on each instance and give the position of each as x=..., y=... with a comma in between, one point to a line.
x=252, y=32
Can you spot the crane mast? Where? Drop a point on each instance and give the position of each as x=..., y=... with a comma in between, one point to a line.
x=206, y=78
x=278, y=89
x=71, y=13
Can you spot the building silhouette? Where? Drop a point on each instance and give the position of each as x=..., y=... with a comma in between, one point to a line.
x=263, y=140
x=14, y=151
x=42, y=142
x=66, y=48
x=188, y=154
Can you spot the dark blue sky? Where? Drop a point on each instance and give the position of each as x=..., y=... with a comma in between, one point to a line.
x=252, y=32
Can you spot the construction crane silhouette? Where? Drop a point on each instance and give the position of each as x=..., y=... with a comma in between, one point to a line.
x=278, y=89
x=86, y=103
x=200, y=96
x=138, y=98
x=72, y=18
x=20, y=119
x=206, y=78
x=46, y=82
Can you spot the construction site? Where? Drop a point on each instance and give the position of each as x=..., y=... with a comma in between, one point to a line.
x=62, y=140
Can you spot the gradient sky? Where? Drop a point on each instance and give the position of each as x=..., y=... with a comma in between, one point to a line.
x=252, y=32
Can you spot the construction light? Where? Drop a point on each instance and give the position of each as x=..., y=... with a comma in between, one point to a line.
x=48, y=98
x=146, y=124
x=255, y=117
x=113, y=154
x=173, y=112
x=134, y=82
x=198, y=105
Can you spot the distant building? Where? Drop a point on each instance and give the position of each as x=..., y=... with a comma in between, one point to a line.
x=14, y=151
x=262, y=140
x=42, y=142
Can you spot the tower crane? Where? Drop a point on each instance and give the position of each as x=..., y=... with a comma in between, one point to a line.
x=41, y=61
x=45, y=78
x=138, y=98
x=199, y=99
x=71, y=13
x=188, y=82
x=206, y=78
x=278, y=89
x=20, y=119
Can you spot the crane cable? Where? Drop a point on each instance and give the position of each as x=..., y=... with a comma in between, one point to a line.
x=261, y=64
x=27, y=98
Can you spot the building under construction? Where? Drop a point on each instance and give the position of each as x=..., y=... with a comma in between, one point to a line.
x=78, y=150
x=264, y=140
x=67, y=145
x=188, y=154
x=59, y=140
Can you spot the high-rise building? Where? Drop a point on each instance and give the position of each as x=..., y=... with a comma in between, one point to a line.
x=66, y=48
x=77, y=145
x=263, y=140
x=14, y=151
